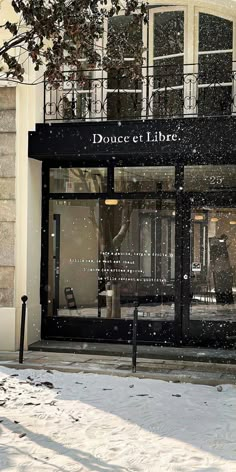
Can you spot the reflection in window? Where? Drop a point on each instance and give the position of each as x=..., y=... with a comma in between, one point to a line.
x=166, y=85
x=124, y=80
x=128, y=33
x=168, y=73
x=209, y=178
x=144, y=179
x=168, y=33
x=215, y=33
x=168, y=40
x=78, y=180
x=213, y=264
x=123, y=105
x=214, y=101
x=146, y=245
x=168, y=103
x=99, y=262
x=157, y=245
x=215, y=69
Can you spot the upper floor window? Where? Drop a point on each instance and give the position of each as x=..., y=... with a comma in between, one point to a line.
x=180, y=64
x=124, y=90
x=215, y=55
x=166, y=57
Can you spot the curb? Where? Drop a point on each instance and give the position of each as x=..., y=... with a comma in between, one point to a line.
x=199, y=378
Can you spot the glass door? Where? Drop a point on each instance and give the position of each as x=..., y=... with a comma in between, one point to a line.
x=213, y=272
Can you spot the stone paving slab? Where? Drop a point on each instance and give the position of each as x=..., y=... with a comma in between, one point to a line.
x=168, y=370
x=148, y=352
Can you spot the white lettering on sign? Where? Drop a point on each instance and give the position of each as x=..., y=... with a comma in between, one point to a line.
x=99, y=138
x=148, y=137
x=160, y=137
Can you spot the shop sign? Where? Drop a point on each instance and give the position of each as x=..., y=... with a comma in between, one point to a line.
x=147, y=137
x=185, y=139
x=196, y=267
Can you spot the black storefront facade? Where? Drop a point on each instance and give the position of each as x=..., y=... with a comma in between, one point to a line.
x=138, y=212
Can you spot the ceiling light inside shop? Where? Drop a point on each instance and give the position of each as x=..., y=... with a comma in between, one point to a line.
x=232, y=222
x=111, y=202
x=199, y=217
x=214, y=219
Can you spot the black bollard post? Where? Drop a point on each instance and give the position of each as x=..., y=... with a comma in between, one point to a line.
x=135, y=327
x=22, y=329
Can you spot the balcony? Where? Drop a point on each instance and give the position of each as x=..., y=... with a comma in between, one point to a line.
x=137, y=93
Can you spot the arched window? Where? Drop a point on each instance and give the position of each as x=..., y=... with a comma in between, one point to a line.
x=180, y=64
x=187, y=69
x=215, y=55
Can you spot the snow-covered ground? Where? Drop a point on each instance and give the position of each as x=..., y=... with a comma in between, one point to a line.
x=53, y=421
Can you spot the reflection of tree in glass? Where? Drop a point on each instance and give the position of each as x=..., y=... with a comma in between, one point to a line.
x=111, y=228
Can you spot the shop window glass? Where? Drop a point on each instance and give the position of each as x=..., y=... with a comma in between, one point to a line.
x=100, y=261
x=144, y=179
x=213, y=264
x=209, y=178
x=78, y=180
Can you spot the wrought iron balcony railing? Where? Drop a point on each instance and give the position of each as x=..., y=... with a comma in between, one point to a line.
x=144, y=93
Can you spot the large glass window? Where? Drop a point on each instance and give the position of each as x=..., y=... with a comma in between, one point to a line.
x=213, y=264
x=105, y=254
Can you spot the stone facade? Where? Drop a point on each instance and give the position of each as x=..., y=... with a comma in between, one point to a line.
x=7, y=194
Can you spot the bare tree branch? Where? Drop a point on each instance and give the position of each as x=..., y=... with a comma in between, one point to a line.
x=57, y=34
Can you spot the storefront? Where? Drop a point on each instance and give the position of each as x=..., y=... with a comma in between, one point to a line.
x=144, y=212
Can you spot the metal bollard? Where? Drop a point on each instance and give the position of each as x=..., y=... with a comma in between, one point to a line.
x=22, y=329
x=135, y=327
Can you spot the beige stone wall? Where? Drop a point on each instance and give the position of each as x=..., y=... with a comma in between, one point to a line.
x=7, y=195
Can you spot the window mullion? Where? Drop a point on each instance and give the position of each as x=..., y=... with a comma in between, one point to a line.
x=234, y=70
x=190, y=68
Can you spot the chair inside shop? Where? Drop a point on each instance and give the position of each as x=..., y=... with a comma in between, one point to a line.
x=70, y=298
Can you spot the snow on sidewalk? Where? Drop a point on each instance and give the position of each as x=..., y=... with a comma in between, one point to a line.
x=53, y=421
